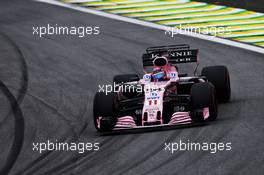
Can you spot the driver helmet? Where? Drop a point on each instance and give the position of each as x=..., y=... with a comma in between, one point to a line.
x=159, y=74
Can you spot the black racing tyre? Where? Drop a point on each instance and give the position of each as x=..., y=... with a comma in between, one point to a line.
x=219, y=77
x=125, y=78
x=202, y=96
x=104, y=107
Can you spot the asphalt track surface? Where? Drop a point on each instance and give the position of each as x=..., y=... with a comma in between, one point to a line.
x=47, y=88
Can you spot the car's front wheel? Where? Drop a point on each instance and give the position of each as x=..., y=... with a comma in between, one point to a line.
x=103, y=111
x=203, y=96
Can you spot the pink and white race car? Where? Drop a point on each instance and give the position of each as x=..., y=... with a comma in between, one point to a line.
x=163, y=97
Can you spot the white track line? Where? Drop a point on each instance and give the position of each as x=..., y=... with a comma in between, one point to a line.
x=156, y=26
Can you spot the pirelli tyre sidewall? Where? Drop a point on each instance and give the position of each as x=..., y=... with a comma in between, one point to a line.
x=219, y=77
x=202, y=96
x=104, y=107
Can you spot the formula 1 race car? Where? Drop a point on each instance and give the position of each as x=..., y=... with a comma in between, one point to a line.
x=163, y=97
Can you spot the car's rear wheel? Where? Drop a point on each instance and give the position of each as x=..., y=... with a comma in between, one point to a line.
x=103, y=111
x=203, y=96
x=219, y=77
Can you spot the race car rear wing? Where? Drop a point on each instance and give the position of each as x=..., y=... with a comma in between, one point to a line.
x=174, y=53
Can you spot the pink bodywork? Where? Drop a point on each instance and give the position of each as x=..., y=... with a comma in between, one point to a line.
x=153, y=103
